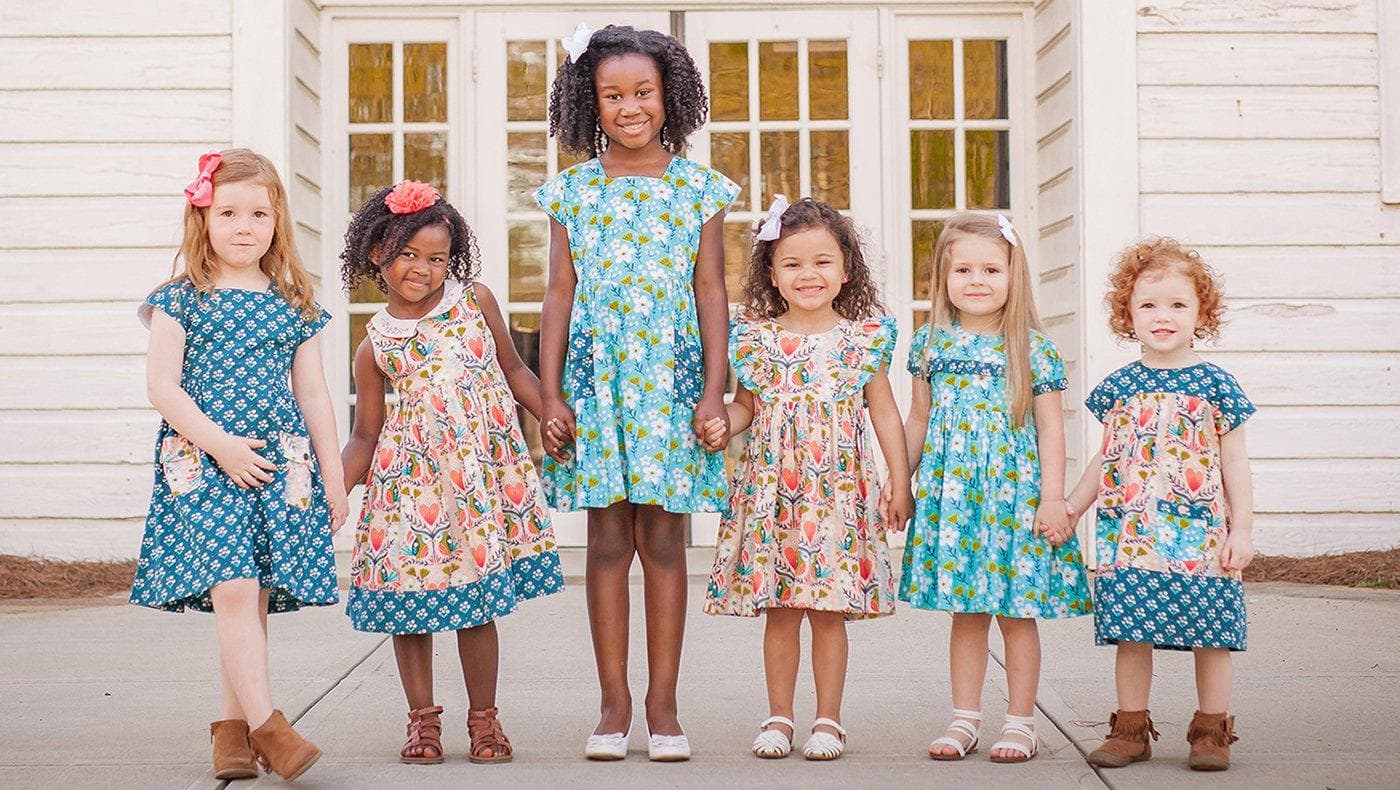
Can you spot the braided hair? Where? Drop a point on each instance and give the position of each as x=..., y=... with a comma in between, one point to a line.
x=377, y=235
x=573, y=99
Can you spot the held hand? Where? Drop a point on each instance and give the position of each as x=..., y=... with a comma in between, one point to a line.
x=238, y=459
x=1052, y=522
x=896, y=505
x=1072, y=514
x=340, y=509
x=715, y=436
x=557, y=430
x=1237, y=553
x=707, y=411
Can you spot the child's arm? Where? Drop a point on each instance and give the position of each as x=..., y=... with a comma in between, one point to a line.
x=309, y=388
x=1239, y=495
x=916, y=425
x=369, y=417
x=1051, y=518
x=1086, y=491
x=884, y=415
x=524, y=386
x=234, y=454
x=556, y=416
x=712, y=311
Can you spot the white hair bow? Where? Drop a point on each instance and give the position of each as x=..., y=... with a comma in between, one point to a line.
x=773, y=223
x=1008, y=231
x=577, y=44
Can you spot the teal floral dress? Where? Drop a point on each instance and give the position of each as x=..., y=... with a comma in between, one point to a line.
x=971, y=545
x=634, y=368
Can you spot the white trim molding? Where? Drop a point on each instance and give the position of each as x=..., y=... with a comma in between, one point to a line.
x=261, y=104
x=1388, y=35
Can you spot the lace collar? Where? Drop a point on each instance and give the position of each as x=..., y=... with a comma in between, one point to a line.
x=389, y=326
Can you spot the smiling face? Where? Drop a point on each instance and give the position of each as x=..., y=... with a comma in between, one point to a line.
x=1165, y=310
x=978, y=276
x=417, y=273
x=631, y=106
x=808, y=269
x=241, y=224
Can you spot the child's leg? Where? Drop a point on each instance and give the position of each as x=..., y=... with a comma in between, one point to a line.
x=230, y=709
x=610, y=552
x=1214, y=677
x=243, y=646
x=414, y=655
x=829, y=653
x=967, y=669
x=479, y=649
x=1022, y=641
x=660, y=540
x=782, y=647
x=1132, y=673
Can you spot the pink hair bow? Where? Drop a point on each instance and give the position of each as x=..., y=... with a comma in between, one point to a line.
x=200, y=192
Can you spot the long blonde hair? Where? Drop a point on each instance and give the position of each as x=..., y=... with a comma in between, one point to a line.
x=196, y=261
x=1018, y=315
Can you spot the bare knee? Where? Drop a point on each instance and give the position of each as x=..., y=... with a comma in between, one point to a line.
x=660, y=538
x=235, y=594
x=1012, y=627
x=610, y=542
x=826, y=622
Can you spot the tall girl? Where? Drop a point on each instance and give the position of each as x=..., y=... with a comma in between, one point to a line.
x=453, y=532
x=804, y=536
x=248, y=484
x=1174, y=498
x=632, y=348
x=986, y=430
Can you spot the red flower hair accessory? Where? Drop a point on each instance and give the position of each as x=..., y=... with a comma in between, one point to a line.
x=200, y=192
x=409, y=196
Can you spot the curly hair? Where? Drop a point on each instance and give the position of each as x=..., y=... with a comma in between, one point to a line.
x=377, y=235
x=859, y=297
x=1162, y=254
x=573, y=99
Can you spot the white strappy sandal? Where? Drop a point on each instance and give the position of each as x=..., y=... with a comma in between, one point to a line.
x=965, y=722
x=1018, y=725
x=607, y=746
x=668, y=748
x=773, y=744
x=824, y=745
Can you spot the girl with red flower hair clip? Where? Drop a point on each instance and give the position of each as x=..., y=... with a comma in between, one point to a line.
x=454, y=532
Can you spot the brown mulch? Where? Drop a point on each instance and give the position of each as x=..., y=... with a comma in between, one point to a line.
x=25, y=577
x=1355, y=569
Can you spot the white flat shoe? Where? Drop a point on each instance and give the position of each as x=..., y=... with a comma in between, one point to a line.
x=824, y=745
x=668, y=748
x=607, y=746
x=773, y=744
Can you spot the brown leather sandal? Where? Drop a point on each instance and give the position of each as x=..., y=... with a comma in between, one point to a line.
x=233, y=752
x=424, y=737
x=1210, y=736
x=489, y=742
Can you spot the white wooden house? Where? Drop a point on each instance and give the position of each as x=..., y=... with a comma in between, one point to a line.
x=1267, y=132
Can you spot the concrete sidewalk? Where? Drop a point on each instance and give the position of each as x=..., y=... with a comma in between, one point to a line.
x=116, y=696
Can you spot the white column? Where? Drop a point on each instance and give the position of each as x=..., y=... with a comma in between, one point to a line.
x=261, y=104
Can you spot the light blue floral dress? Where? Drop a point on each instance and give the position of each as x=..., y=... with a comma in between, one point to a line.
x=971, y=546
x=634, y=368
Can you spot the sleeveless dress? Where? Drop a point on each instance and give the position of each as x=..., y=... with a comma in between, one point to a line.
x=1162, y=514
x=453, y=533
x=202, y=529
x=803, y=529
x=634, y=368
x=971, y=545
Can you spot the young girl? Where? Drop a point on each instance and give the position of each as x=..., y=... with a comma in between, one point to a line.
x=632, y=348
x=248, y=484
x=453, y=532
x=986, y=430
x=1174, y=498
x=802, y=537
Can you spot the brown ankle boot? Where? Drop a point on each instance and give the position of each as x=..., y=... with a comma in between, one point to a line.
x=1210, y=736
x=1128, y=741
x=281, y=749
x=233, y=752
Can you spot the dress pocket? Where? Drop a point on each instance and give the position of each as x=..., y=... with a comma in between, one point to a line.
x=182, y=464
x=296, y=450
x=1181, y=532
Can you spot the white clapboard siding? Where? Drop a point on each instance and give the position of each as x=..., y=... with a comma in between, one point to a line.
x=1058, y=152
x=1244, y=16
x=1306, y=534
x=91, y=382
x=118, y=436
x=1313, y=325
x=1263, y=112
x=1059, y=246
x=1350, y=218
x=1299, y=378
x=124, y=63
x=1256, y=59
x=1054, y=106
x=1300, y=486
x=1054, y=59
x=1324, y=432
x=171, y=116
x=122, y=221
x=87, y=539
x=1058, y=293
x=1059, y=197
x=96, y=491
x=112, y=274
x=86, y=169
x=305, y=111
x=70, y=329
x=1259, y=166
x=97, y=18
x=1302, y=271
